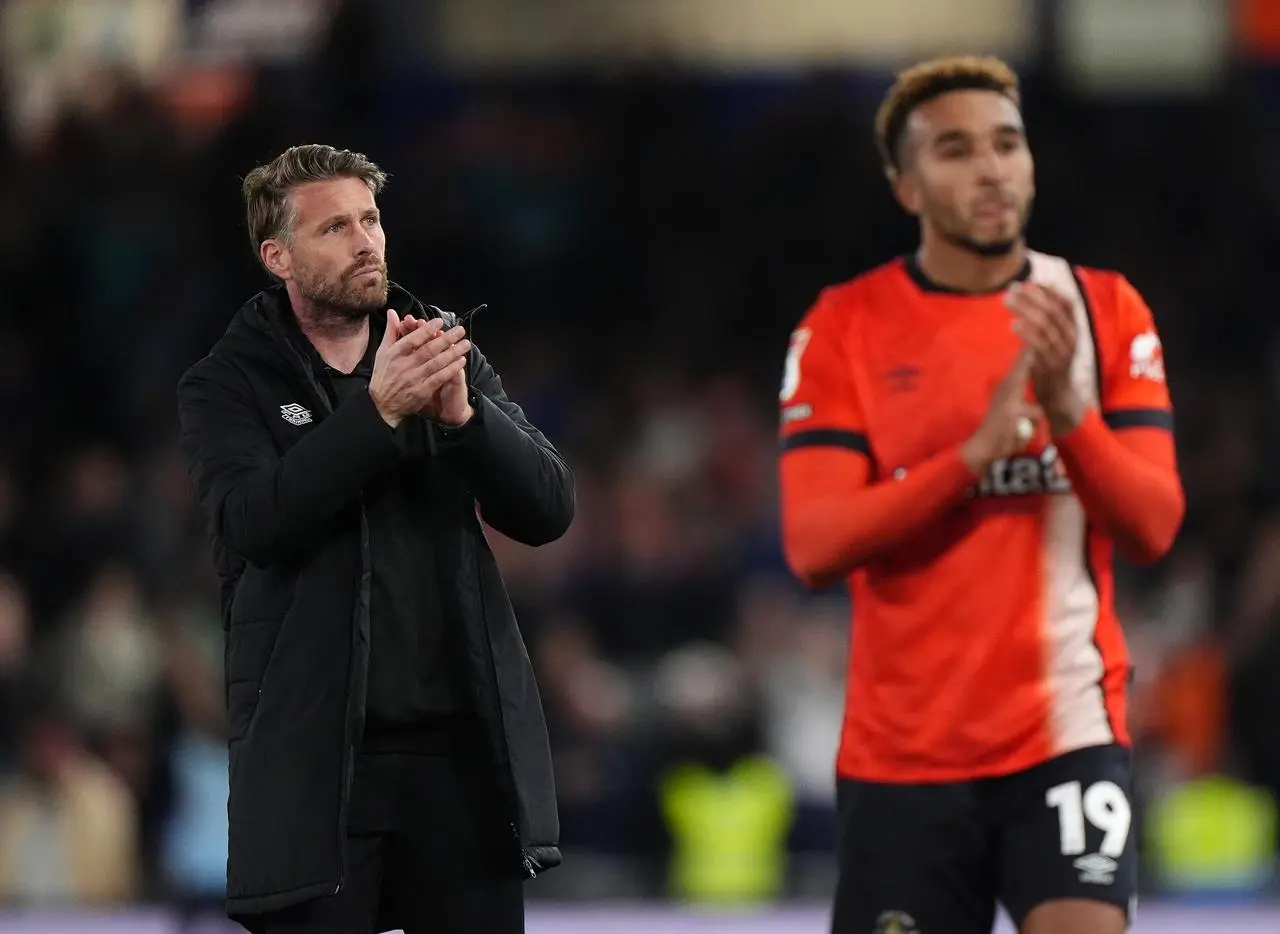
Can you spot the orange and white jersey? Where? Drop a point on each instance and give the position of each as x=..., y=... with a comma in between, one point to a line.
x=987, y=642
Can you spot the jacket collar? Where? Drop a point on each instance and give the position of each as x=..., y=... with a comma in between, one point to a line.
x=266, y=330
x=270, y=312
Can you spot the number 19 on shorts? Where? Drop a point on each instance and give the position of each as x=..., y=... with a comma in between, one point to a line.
x=1103, y=805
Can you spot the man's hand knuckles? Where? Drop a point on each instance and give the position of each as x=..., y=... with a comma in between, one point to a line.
x=419, y=337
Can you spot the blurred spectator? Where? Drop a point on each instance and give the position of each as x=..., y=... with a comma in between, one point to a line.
x=110, y=656
x=1253, y=645
x=15, y=630
x=84, y=523
x=727, y=807
x=803, y=695
x=194, y=847
x=67, y=824
x=590, y=705
x=651, y=582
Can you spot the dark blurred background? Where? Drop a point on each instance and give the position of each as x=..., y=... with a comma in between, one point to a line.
x=647, y=194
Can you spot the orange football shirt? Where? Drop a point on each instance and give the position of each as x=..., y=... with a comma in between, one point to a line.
x=985, y=639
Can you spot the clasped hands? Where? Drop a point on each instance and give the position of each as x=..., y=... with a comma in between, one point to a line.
x=1045, y=320
x=421, y=368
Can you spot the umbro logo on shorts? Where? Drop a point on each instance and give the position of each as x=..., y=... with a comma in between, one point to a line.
x=1096, y=869
x=896, y=922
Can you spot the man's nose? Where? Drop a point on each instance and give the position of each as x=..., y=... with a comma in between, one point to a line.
x=991, y=167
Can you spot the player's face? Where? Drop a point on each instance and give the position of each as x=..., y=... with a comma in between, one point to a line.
x=968, y=172
x=336, y=258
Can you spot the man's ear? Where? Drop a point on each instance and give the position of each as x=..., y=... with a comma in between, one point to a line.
x=905, y=190
x=276, y=258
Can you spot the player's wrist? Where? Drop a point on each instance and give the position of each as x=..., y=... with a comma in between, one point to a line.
x=977, y=456
x=392, y=419
x=1065, y=412
x=454, y=421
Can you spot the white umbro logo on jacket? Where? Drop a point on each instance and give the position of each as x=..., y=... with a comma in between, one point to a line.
x=295, y=414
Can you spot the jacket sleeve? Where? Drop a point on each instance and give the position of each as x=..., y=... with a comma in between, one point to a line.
x=524, y=487
x=264, y=505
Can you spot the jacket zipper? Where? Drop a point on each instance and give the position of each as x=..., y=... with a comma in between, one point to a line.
x=348, y=752
x=348, y=762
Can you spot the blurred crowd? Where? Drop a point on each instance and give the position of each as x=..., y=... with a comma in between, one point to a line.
x=644, y=241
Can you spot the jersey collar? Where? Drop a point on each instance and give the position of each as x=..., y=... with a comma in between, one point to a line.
x=927, y=285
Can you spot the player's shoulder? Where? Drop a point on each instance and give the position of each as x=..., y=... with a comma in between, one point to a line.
x=1104, y=289
x=1103, y=285
x=1108, y=294
x=841, y=303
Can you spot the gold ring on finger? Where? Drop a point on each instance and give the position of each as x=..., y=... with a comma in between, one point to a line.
x=1025, y=429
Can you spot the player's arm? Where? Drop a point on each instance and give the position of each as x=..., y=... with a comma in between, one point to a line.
x=264, y=505
x=1121, y=456
x=524, y=487
x=834, y=519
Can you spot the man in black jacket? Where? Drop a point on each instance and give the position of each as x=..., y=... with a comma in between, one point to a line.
x=389, y=756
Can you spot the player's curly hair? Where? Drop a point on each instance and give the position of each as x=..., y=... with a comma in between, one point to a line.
x=923, y=82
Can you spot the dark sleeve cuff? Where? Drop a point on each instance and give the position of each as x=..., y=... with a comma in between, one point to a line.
x=451, y=438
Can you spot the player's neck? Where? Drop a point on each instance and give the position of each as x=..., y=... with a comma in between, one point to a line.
x=957, y=269
x=340, y=341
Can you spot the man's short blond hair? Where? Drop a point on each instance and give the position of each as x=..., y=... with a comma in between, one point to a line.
x=268, y=189
x=927, y=80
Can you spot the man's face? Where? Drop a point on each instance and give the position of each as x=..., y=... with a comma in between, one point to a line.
x=967, y=170
x=336, y=258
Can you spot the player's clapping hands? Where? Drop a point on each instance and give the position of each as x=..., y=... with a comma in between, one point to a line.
x=1010, y=423
x=419, y=367
x=449, y=403
x=1045, y=320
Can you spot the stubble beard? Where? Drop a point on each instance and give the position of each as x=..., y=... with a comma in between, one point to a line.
x=343, y=301
x=989, y=249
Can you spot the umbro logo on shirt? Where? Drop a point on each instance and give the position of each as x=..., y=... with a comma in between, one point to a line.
x=295, y=414
x=903, y=378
